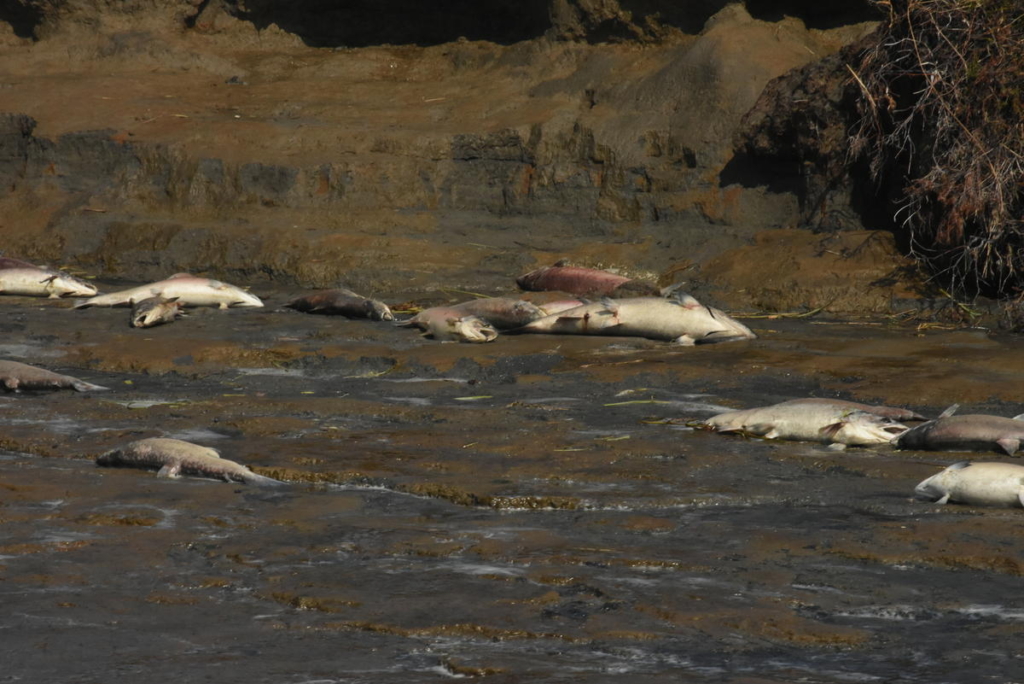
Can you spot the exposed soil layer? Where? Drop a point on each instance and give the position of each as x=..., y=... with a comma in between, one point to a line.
x=139, y=144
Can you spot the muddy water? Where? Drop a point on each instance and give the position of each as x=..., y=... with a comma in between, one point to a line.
x=536, y=509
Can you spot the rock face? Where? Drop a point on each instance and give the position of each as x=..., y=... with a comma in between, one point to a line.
x=388, y=145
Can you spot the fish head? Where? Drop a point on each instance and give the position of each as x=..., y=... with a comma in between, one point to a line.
x=66, y=285
x=378, y=311
x=733, y=329
x=154, y=311
x=473, y=329
x=860, y=428
x=938, y=486
x=246, y=299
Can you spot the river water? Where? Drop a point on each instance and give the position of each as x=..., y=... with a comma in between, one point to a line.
x=536, y=509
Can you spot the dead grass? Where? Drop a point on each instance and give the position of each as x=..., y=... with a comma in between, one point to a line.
x=942, y=118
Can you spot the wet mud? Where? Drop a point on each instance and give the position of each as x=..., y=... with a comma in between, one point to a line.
x=538, y=508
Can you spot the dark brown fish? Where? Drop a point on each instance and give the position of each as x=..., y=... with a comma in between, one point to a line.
x=586, y=282
x=342, y=302
x=18, y=376
x=976, y=432
x=9, y=262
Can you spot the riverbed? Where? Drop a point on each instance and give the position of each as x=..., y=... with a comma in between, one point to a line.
x=542, y=508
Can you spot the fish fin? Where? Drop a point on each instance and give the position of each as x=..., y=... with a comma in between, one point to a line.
x=684, y=299
x=11, y=384
x=180, y=275
x=169, y=470
x=829, y=431
x=223, y=305
x=1020, y=495
x=685, y=340
x=671, y=291
x=262, y=480
x=611, y=305
x=836, y=446
x=950, y=411
x=564, y=261
x=1009, y=445
x=959, y=465
x=79, y=305
x=724, y=430
x=1019, y=416
x=766, y=430
x=943, y=500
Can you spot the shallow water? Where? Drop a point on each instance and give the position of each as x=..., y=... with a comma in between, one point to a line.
x=537, y=508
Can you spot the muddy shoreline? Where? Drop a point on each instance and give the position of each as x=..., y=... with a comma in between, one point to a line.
x=535, y=507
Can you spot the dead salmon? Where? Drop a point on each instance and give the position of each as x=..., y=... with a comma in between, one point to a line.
x=680, y=318
x=17, y=376
x=342, y=302
x=33, y=281
x=978, y=484
x=585, y=282
x=969, y=432
x=176, y=457
x=155, y=311
x=810, y=421
x=190, y=290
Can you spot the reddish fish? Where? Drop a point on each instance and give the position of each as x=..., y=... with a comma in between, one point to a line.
x=585, y=282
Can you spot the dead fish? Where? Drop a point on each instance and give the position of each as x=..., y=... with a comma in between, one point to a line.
x=978, y=484
x=810, y=421
x=154, y=311
x=33, y=281
x=560, y=305
x=681, y=319
x=451, y=325
x=342, y=302
x=190, y=290
x=976, y=432
x=18, y=376
x=894, y=412
x=175, y=457
x=11, y=262
x=504, y=313
x=586, y=282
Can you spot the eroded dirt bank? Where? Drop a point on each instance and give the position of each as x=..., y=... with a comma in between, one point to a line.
x=138, y=144
x=533, y=507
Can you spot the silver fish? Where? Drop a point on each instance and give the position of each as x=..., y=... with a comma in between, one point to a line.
x=154, y=311
x=894, y=412
x=18, y=376
x=175, y=457
x=813, y=422
x=451, y=325
x=43, y=282
x=969, y=432
x=503, y=313
x=681, y=319
x=981, y=484
x=190, y=290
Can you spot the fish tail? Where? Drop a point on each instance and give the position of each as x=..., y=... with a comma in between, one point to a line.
x=82, y=386
x=263, y=481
